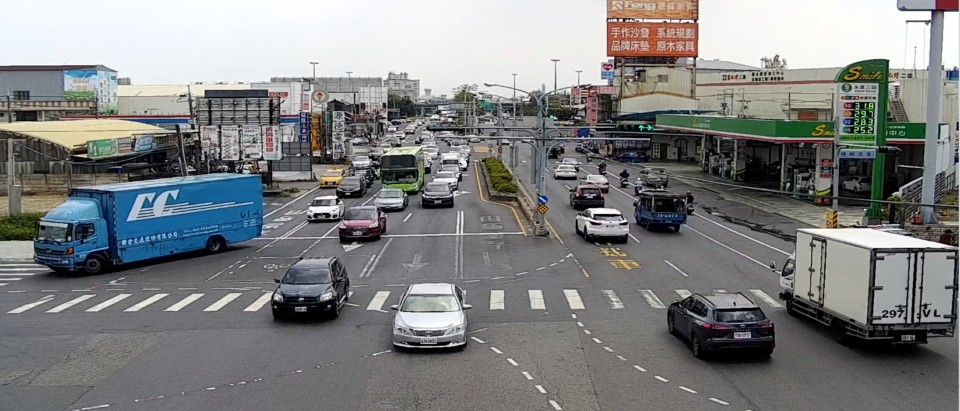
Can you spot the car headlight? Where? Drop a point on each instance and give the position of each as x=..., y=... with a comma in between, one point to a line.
x=277, y=297
x=457, y=329
x=374, y=224
x=402, y=331
x=342, y=226
x=326, y=296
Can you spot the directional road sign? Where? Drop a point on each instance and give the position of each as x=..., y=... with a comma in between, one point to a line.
x=542, y=200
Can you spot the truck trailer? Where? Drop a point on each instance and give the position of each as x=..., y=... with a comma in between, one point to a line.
x=872, y=285
x=110, y=225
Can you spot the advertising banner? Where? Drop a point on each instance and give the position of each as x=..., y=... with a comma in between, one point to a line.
x=639, y=39
x=101, y=148
x=210, y=141
x=592, y=114
x=79, y=85
x=124, y=145
x=304, y=127
x=143, y=142
x=653, y=9
x=250, y=141
x=230, y=143
x=606, y=71
x=106, y=89
x=271, y=143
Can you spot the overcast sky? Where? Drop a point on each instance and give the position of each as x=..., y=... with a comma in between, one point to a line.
x=441, y=42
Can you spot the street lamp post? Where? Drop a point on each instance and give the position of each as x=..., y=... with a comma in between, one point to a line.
x=578, y=88
x=349, y=74
x=314, y=64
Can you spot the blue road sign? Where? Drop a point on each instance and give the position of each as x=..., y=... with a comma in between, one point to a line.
x=863, y=154
x=304, y=129
x=542, y=199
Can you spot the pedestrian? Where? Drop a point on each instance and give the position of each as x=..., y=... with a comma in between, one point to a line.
x=947, y=238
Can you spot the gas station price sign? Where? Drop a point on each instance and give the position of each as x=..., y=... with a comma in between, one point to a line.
x=858, y=112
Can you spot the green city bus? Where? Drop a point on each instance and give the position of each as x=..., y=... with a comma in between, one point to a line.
x=403, y=168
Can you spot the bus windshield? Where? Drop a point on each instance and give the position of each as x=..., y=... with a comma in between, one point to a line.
x=399, y=176
x=395, y=161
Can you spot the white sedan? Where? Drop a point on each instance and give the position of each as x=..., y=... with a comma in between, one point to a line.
x=361, y=161
x=565, y=171
x=447, y=177
x=596, y=180
x=325, y=208
x=602, y=222
x=571, y=162
x=857, y=184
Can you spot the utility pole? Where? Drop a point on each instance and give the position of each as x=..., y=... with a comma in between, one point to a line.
x=314, y=64
x=13, y=190
x=514, y=99
x=349, y=75
x=555, y=61
x=578, y=88
x=9, y=109
x=928, y=194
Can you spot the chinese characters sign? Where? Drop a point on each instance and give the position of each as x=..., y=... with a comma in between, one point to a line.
x=271, y=143
x=637, y=39
x=230, y=143
x=653, y=9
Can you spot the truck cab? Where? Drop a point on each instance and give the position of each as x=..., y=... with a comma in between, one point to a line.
x=786, y=275
x=73, y=235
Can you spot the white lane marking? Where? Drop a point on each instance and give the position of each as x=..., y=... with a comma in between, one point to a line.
x=639, y=368
x=95, y=407
x=580, y=324
x=661, y=378
x=608, y=349
x=676, y=268
x=721, y=402
x=479, y=341
x=512, y=362
x=555, y=405
x=574, y=316
x=687, y=389
x=26, y=307
x=540, y=388
x=541, y=268
x=33, y=266
x=683, y=293
x=4, y=268
x=597, y=340
x=379, y=255
x=621, y=358
x=116, y=299
x=720, y=290
x=366, y=266
x=71, y=303
x=143, y=304
x=184, y=302
x=573, y=299
x=613, y=299
x=494, y=349
x=766, y=298
x=743, y=235
x=378, y=299
x=587, y=332
x=527, y=375
x=10, y=279
x=652, y=299
x=536, y=300
x=407, y=217
x=227, y=299
x=151, y=289
x=728, y=247
x=553, y=264
x=496, y=299
x=259, y=303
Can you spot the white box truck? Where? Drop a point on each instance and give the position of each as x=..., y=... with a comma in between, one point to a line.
x=872, y=285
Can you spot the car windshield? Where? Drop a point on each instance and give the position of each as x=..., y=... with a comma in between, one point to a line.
x=430, y=304
x=391, y=194
x=307, y=275
x=324, y=202
x=332, y=173
x=569, y=161
x=597, y=179
x=740, y=316
x=589, y=191
x=404, y=177
x=446, y=174
x=50, y=231
x=359, y=214
x=608, y=217
x=565, y=168
x=439, y=188
x=448, y=167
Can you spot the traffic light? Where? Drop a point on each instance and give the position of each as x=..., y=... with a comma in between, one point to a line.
x=635, y=127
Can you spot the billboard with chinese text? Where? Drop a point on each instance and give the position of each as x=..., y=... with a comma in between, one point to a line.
x=639, y=39
x=653, y=9
x=89, y=85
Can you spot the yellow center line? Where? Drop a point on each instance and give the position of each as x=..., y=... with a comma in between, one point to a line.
x=476, y=172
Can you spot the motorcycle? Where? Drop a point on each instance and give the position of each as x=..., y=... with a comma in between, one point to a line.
x=624, y=182
x=690, y=208
x=603, y=169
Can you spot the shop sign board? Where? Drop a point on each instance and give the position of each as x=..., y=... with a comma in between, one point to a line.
x=606, y=71
x=101, y=148
x=642, y=39
x=860, y=102
x=230, y=143
x=250, y=141
x=143, y=142
x=304, y=131
x=271, y=143
x=820, y=131
x=653, y=9
x=210, y=140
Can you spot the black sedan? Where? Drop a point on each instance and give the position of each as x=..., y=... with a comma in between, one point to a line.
x=310, y=286
x=352, y=187
x=436, y=194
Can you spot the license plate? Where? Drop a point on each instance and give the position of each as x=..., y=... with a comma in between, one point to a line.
x=589, y=196
x=437, y=201
x=300, y=309
x=358, y=233
x=428, y=340
x=741, y=336
x=908, y=338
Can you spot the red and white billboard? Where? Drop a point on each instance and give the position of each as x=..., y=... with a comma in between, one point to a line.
x=928, y=5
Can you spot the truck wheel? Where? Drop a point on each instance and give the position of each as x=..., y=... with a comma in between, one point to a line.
x=839, y=331
x=676, y=227
x=94, y=264
x=215, y=244
x=791, y=310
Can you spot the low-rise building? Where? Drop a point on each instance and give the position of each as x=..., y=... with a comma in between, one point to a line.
x=400, y=84
x=44, y=93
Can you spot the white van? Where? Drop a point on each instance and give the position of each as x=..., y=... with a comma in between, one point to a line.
x=454, y=158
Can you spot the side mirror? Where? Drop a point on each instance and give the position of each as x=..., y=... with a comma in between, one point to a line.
x=467, y=307
x=276, y=280
x=394, y=307
x=571, y=190
x=635, y=203
x=773, y=266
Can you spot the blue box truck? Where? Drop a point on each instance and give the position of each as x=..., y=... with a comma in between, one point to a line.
x=109, y=225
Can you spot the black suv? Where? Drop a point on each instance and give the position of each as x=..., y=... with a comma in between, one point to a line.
x=310, y=286
x=352, y=187
x=721, y=321
x=586, y=196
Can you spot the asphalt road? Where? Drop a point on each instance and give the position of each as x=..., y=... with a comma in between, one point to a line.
x=558, y=324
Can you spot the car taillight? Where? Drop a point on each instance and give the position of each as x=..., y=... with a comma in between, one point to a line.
x=768, y=324
x=710, y=326
x=594, y=222
x=624, y=223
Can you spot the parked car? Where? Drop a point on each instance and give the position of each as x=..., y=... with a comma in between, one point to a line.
x=362, y=222
x=857, y=184
x=633, y=157
x=565, y=171
x=312, y=286
x=325, y=208
x=602, y=222
x=391, y=199
x=721, y=322
x=586, y=196
x=431, y=315
x=436, y=194
x=352, y=187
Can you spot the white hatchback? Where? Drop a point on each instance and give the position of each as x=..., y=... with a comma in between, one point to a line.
x=602, y=222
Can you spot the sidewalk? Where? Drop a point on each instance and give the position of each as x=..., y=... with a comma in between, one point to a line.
x=16, y=250
x=797, y=210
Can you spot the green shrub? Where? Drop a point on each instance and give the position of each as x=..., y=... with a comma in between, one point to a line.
x=19, y=228
x=499, y=176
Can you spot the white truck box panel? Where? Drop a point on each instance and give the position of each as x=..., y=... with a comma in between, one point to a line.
x=843, y=289
x=916, y=288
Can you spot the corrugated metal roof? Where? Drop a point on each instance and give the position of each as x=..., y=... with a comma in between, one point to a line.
x=53, y=68
x=703, y=64
x=174, y=89
x=76, y=132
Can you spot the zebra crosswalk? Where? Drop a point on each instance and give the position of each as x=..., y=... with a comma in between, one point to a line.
x=535, y=300
x=13, y=271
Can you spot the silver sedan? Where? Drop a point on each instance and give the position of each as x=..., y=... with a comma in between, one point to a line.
x=431, y=315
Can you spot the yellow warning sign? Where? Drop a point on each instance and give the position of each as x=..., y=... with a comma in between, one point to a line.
x=542, y=209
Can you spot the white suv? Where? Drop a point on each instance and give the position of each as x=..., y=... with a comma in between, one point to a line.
x=602, y=222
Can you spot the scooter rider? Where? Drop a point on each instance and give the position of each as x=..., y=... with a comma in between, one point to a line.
x=689, y=198
x=624, y=175
x=602, y=167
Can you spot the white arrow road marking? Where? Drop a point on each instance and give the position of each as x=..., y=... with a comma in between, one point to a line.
x=416, y=264
x=459, y=193
x=350, y=247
